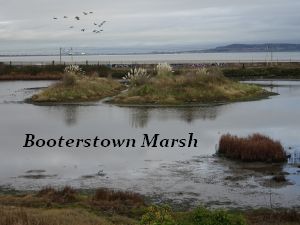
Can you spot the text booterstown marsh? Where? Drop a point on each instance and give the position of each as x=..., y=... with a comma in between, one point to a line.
x=144, y=141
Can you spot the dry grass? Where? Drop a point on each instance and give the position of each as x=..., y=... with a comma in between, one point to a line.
x=112, y=195
x=255, y=147
x=67, y=206
x=123, y=203
x=65, y=195
x=84, y=89
x=269, y=217
x=38, y=216
x=109, y=207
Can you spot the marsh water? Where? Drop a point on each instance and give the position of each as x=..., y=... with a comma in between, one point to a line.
x=179, y=175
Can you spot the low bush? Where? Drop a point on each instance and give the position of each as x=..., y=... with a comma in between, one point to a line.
x=256, y=147
x=163, y=215
x=158, y=215
x=215, y=217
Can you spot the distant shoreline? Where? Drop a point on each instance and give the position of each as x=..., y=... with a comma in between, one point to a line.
x=147, y=53
x=233, y=48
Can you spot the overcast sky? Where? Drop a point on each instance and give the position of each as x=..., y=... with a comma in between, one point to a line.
x=147, y=24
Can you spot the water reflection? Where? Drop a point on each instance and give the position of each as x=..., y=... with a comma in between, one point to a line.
x=204, y=113
x=140, y=116
x=294, y=157
x=69, y=113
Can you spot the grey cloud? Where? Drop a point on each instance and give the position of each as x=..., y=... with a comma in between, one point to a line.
x=148, y=23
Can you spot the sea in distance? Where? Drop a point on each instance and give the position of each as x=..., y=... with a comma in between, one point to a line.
x=83, y=58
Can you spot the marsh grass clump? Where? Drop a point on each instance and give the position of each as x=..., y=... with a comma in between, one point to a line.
x=113, y=195
x=137, y=76
x=65, y=195
x=280, y=178
x=122, y=202
x=164, y=69
x=69, y=79
x=71, y=73
x=202, y=71
x=256, y=147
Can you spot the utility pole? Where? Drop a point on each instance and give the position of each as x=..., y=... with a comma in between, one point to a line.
x=60, y=50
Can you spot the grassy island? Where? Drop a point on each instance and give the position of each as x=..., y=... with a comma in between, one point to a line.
x=77, y=87
x=200, y=86
x=161, y=86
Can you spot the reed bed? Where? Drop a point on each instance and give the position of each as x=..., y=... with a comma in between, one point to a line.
x=255, y=147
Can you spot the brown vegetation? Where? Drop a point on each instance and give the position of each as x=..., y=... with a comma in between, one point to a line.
x=109, y=207
x=38, y=216
x=44, y=76
x=271, y=217
x=65, y=195
x=279, y=178
x=255, y=147
x=117, y=201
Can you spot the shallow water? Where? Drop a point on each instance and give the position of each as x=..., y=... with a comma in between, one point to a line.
x=183, y=175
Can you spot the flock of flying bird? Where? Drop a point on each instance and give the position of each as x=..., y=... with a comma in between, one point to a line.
x=98, y=26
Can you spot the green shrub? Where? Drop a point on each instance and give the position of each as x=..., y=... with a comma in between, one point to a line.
x=158, y=215
x=202, y=216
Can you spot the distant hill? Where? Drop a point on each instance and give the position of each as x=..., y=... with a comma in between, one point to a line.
x=255, y=48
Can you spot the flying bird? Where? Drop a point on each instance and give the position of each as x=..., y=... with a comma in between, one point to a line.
x=55, y=18
x=85, y=13
x=77, y=17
